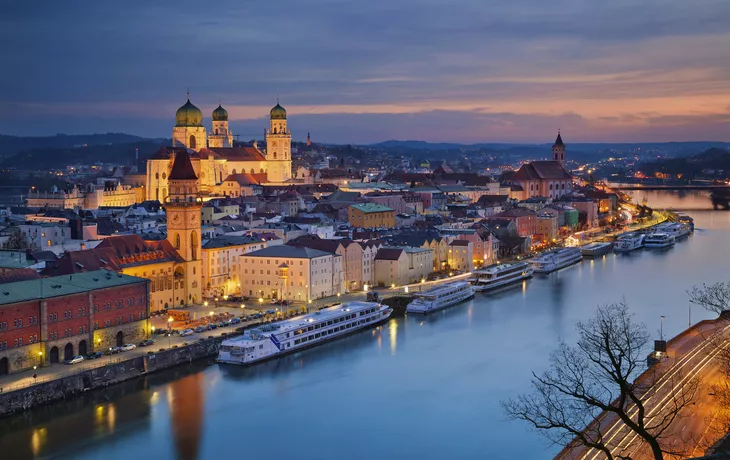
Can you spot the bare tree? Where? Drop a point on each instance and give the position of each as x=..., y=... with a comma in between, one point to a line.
x=593, y=385
x=16, y=240
x=713, y=297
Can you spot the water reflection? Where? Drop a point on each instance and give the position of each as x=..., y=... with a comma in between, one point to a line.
x=186, y=400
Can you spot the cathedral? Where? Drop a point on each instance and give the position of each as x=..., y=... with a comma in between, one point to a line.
x=215, y=157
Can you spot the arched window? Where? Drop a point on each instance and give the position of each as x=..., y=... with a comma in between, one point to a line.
x=274, y=155
x=192, y=141
x=551, y=186
x=262, y=170
x=252, y=171
x=157, y=176
x=193, y=245
x=216, y=131
x=221, y=176
x=234, y=172
x=177, y=241
x=164, y=194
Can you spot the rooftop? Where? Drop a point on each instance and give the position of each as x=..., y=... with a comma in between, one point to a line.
x=293, y=252
x=45, y=288
x=371, y=207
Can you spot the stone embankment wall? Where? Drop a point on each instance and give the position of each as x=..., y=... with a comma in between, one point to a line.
x=92, y=379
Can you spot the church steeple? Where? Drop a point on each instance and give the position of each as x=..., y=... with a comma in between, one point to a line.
x=559, y=150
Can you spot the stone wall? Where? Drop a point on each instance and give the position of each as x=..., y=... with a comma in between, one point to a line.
x=93, y=379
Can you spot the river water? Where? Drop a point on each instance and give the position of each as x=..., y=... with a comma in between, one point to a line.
x=415, y=388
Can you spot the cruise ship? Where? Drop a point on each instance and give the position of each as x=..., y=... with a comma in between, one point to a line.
x=629, y=242
x=555, y=260
x=595, y=249
x=440, y=297
x=500, y=275
x=277, y=339
x=658, y=240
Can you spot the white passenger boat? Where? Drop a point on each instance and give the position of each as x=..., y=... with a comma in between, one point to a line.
x=440, y=297
x=629, y=242
x=276, y=339
x=678, y=230
x=556, y=259
x=500, y=275
x=658, y=240
x=595, y=249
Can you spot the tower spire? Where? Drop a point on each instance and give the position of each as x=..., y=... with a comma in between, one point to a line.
x=188, y=94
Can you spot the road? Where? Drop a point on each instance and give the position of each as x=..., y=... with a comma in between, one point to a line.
x=690, y=355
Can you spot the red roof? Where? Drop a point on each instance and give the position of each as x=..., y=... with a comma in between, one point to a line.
x=237, y=153
x=246, y=178
x=542, y=170
x=182, y=168
x=114, y=253
x=21, y=274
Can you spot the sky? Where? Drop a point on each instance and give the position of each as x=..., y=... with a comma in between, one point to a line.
x=367, y=71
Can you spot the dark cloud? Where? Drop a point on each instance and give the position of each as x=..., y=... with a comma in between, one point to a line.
x=127, y=66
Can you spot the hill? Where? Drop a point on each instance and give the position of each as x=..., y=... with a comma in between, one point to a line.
x=10, y=145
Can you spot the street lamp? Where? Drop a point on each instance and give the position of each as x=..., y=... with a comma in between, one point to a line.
x=205, y=304
x=169, y=331
x=40, y=358
x=661, y=327
x=225, y=297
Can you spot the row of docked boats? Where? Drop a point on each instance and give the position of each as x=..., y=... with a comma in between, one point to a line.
x=661, y=236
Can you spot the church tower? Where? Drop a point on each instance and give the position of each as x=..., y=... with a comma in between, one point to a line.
x=278, y=147
x=220, y=136
x=559, y=150
x=183, y=207
x=189, y=131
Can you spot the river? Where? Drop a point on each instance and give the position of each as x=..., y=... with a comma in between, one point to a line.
x=415, y=388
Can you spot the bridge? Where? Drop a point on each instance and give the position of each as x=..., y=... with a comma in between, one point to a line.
x=671, y=187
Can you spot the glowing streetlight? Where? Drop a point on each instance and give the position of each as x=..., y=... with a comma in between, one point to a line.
x=261, y=300
x=365, y=288
x=225, y=297
x=212, y=313
x=423, y=280
x=243, y=306
x=205, y=304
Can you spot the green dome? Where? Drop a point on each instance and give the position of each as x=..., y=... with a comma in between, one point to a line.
x=278, y=112
x=220, y=114
x=188, y=115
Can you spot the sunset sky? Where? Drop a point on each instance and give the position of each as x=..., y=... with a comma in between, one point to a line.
x=368, y=71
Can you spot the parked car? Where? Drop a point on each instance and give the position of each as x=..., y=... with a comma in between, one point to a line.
x=76, y=360
x=224, y=323
x=270, y=312
x=98, y=354
x=129, y=347
x=235, y=320
x=116, y=350
x=188, y=332
x=212, y=326
x=146, y=343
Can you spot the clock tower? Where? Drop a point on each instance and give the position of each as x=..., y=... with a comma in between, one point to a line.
x=278, y=147
x=182, y=207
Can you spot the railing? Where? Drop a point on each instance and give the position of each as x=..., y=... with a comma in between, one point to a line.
x=78, y=369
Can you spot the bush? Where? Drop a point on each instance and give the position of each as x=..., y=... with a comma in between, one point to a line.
x=162, y=349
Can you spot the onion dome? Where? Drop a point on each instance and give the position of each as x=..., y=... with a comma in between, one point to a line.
x=188, y=115
x=220, y=114
x=278, y=112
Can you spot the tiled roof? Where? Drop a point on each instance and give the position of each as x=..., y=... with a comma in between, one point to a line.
x=319, y=244
x=165, y=153
x=246, y=178
x=294, y=252
x=45, y=288
x=182, y=168
x=237, y=153
x=459, y=243
x=536, y=170
x=21, y=274
x=371, y=207
x=388, y=254
x=226, y=240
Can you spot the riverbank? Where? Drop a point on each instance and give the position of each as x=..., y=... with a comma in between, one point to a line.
x=101, y=377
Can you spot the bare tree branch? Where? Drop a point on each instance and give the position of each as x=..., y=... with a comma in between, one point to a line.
x=592, y=385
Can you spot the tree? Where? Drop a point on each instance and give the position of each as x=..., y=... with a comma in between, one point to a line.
x=16, y=240
x=712, y=297
x=593, y=384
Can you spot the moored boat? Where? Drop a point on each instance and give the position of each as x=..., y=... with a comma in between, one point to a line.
x=595, y=249
x=500, y=275
x=556, y=259
x=440, y=297
x=658, y=241
x=276, y=339
x=629, y=242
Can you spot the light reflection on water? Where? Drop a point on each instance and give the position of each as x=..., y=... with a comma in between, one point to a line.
x=437, y=396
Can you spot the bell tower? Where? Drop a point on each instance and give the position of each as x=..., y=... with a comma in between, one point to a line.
x=278, y=146
x=183, y=206
x=559, y=150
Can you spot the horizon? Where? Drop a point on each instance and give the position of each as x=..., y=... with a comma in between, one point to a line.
x=463, y=72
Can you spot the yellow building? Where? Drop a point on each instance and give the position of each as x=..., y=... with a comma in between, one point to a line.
x=370, y=215
x=215, y=158
x=221, y=263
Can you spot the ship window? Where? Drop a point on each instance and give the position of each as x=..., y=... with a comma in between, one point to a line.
x=329, y=323
x=261, y=347
x=316, y=336
x=296, y=342
x=310, y=328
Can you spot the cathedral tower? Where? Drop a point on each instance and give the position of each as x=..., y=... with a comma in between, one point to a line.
x=183, y=207
x=220, y=136
x=278, y=147
x=559, y=150
x=189, y=131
